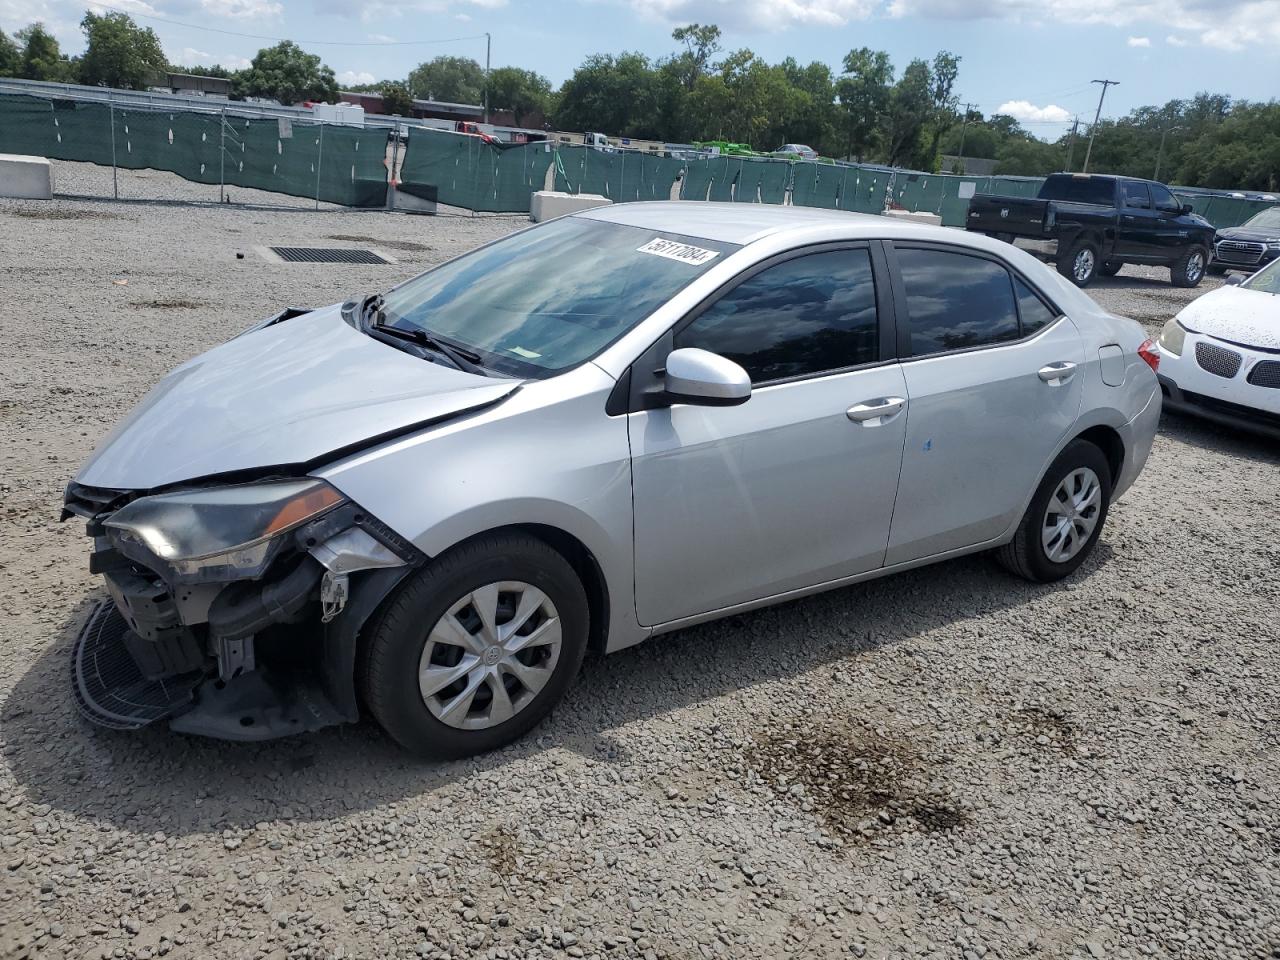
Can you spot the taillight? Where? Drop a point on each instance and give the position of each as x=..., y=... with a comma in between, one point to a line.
x=1148, y=353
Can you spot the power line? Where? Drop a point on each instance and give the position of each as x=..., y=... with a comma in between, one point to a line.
x=1093, y=129
x=255, y=36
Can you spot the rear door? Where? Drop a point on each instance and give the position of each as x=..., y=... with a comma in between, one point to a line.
x=795, y=487
x=993, y=374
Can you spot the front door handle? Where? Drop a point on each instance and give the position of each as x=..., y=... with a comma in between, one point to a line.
x=873, y=413
x=1056, y=374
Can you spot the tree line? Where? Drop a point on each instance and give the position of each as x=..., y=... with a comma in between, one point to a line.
x=866, y=111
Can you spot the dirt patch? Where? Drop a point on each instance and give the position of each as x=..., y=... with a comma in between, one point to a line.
x=1048, y=727
x=859, y=782
x=389, y=244
x=170, y=303
x=500, y=850
x=61, y=214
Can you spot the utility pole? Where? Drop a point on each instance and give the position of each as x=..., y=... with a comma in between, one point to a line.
x=1071, y=142
x=1092, y=130
x=488, y=40
x=963, y=125
x=1160, y=153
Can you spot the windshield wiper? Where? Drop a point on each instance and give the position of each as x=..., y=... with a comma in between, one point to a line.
x=464, y=360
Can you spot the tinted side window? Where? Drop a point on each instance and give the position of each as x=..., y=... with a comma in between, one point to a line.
x=956, y=301
x=1162, y=199
x=802, y=316
x=1135, y=194
x=1032, y=309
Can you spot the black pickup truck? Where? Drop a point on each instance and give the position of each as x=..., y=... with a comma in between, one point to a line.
x=1090, y=224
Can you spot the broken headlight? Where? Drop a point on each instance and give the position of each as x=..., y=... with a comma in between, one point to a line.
x=221, y=533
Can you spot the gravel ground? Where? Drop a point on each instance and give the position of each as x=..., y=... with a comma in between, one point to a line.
x=946, y=763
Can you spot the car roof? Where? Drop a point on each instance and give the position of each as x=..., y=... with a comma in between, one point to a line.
x=740, y=223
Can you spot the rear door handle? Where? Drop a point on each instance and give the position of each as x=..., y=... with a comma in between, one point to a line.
x=873, y=413
x=1056, y=374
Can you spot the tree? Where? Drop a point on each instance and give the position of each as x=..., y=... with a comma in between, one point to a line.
x=864, y=93
x=396, y=100
x=701, y=44
x=119, y=53
x=910, y=107
x=10, y=57
x=451, y=79
x=41, y=58
x=616, y=95
x=525, y=93
x=289, y=74
x=942, y=80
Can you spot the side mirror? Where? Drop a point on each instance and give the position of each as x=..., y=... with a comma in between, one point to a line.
x=706, y=379
x=1185, y=209
x=1234, y=280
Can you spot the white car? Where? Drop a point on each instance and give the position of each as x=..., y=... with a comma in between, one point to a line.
x=1220, y=357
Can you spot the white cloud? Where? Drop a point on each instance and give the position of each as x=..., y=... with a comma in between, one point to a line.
x=350, y=78
x=1139, y=41
x=1027, y=112
x=462, y=17
x=194, y=59
x=1175, y=41
x=243, y=9
x=1225, y=24
x=760, y=14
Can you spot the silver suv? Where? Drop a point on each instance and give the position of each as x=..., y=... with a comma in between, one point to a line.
x=432, y=502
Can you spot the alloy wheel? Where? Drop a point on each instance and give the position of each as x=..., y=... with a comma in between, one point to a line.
x=490, y=654
x=1071, y=515
x=1083, y=265
x=1195, y=266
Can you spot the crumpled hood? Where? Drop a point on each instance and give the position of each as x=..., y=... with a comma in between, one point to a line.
x=284, y=395
x=1244, y=316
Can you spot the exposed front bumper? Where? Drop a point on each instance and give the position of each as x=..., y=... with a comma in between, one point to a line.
x=266, y=655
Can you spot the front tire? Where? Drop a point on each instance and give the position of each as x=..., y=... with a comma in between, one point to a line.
x=1080, y=263
x=476, y=648
x=1065, y=517
x=1188, y=269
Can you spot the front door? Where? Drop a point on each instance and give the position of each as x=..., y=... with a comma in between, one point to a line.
x=993, y=376
x=1136, y=235
x=795, y=487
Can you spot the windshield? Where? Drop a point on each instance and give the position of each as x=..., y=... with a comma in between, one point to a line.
x=1268, y=219
x=1266, y=280
x=549, y=298
x=1101, y=190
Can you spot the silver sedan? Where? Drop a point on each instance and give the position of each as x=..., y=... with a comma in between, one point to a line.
x=434, y=501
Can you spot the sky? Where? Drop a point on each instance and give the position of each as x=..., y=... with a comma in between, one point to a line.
x=1033, y=59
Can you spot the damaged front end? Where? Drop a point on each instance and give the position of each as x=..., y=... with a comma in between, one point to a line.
x=235, y=610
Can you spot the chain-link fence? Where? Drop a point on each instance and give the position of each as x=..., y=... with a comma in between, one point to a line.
x=189, y=149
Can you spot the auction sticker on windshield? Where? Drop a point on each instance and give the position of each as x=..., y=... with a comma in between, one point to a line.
x=684, y=252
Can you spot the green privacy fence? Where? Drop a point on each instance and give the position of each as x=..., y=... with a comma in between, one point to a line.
x=623, y=177
x=337, y=164
x=465, y=171
x=1223, y=211
x=839, y=187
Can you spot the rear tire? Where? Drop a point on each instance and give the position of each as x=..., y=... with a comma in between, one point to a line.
x=1052, y=523
x=1080, y=263
x=1188, y=269
x=1110, y=268
x=454, y=610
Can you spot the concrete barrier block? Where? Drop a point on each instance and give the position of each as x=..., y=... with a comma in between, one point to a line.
x=549, y=204
x=916, y=216
x=27, y=178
